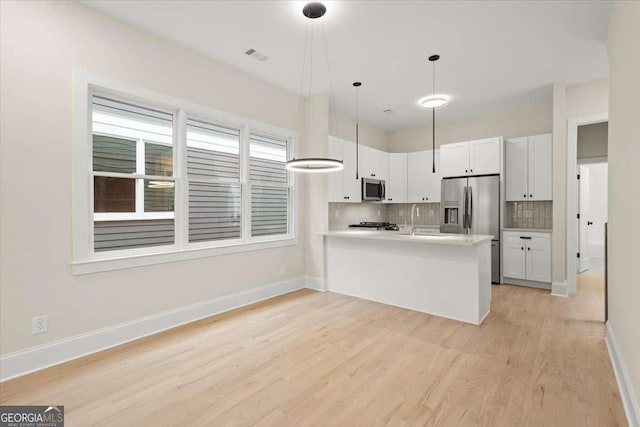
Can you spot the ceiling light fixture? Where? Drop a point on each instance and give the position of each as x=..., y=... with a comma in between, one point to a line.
x=433, y=101
x=313, y=11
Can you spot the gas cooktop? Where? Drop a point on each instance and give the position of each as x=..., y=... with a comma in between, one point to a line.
x=377, y=225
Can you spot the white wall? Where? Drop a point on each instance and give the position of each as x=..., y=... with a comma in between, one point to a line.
x=40, y=44
x=580, y=100
x=598, y=200
x=522, y=119
x=624, y=180
x=343, y=126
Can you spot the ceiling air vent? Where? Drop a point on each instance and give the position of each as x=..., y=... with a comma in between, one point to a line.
x=388, y=111
x=256, y=55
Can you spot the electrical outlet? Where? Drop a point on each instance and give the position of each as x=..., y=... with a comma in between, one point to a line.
x=283, y=269
x=40, y=324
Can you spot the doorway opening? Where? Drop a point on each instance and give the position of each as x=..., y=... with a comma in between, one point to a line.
x=591, y=212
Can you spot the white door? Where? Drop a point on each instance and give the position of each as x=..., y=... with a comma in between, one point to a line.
x=454, y=159
x=397, y=184
x=418, y=169
x=351, y=185
x=514, y=259
x=538, y=253
x=540, y=164
x=369, y=162
x=484, y=156
x=336, y=179
x=516, y=169
x=583, y=212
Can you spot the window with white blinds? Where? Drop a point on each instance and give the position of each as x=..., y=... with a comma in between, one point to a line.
x=168, y=176
x=270, y=192
x=213, y=172
x=133, y=183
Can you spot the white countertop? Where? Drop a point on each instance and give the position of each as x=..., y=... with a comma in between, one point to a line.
x=432, y=238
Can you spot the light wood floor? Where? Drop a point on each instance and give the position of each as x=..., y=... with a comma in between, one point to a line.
x=310, y=358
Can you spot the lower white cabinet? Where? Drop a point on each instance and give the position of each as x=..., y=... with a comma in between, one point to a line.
x=526, y=256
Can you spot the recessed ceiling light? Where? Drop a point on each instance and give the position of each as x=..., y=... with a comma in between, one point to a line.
x=433, y=101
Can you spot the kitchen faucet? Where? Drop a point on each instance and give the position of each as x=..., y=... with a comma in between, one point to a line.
x=414, y=208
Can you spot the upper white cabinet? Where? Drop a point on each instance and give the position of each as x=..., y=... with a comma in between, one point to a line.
x=374, y=164
x=479, y=157
x=528, y=168
x=397, y=183
x=343, y=185
x=423, y=185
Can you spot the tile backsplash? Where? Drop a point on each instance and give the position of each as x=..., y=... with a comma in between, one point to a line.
x=529, y=215
x=428, y=214
x=341, y=215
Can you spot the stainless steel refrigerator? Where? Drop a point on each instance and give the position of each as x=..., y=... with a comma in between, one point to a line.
x=471, y=205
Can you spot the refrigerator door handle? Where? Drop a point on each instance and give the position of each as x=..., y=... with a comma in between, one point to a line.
x=470, y=206
x=464, y=213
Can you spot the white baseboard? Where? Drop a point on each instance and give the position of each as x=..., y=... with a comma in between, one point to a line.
x=559, y=289
x=36, y=358
x=628, y=396
x=315, y=283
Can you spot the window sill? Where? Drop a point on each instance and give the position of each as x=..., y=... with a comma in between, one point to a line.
x=118, y=263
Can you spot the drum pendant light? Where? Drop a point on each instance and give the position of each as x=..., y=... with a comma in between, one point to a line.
x=313, y=11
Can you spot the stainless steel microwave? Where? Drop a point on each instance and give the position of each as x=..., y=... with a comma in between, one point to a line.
x=373, y=190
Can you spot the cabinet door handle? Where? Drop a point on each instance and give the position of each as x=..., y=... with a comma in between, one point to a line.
x=525, y=237
x=471, y=170
x=589, y=223
x=522, y=248
x=528, y=248
x=426, y=198
x=466, y=171
x=530, y=195
x=525, y=196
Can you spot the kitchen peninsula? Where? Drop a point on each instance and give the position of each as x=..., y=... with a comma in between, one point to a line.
x=447, y=275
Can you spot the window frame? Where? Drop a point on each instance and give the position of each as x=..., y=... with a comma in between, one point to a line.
x=85, y=259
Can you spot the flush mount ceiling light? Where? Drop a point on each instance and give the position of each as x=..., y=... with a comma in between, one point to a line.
x=433, y=101
x=313, y=11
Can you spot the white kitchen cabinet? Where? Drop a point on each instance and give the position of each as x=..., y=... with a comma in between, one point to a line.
x=374, y=164
x=484, y=156
x=454, y=159
x=526, y=256
x=479, y=157
x=423, y=186
x=540, y=167
x=397, y=183
x=528, y=168
x=513, y=259
x=343, y=186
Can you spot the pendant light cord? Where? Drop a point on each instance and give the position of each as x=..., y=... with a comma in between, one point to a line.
x=304, y=62
x=357, y=135
x=433, y=126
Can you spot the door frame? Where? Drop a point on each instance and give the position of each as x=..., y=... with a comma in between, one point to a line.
x=571, y=197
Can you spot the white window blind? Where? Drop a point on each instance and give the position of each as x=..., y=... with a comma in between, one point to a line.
x=132, y=173
x=213, y=172
x=270, y=192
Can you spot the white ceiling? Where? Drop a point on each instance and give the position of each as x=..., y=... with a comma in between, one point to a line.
x=493, y=52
